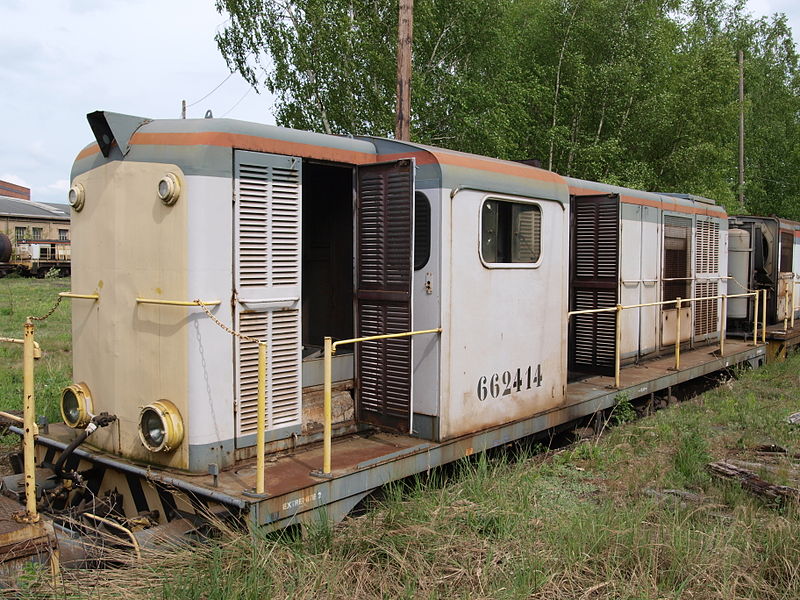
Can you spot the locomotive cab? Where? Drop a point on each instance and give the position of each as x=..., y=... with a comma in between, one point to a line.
x=286, y=239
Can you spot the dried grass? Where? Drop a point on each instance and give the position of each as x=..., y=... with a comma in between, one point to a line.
x=577, y=525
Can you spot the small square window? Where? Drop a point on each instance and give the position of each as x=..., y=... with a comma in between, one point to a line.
x=36, y=233
x=19, y=233
x=510, y=232
x=63, y=235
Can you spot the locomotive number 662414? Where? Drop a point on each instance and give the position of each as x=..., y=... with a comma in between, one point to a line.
x=502, y=384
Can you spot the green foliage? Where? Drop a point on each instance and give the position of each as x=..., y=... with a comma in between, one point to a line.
x=623, y=411
x=643, y=94
x=690, y=459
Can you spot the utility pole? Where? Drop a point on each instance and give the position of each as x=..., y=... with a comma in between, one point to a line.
x=405, y=30
x=183, y=109
x=741, y=130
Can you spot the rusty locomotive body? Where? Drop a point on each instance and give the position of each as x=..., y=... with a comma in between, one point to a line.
x=470, y=302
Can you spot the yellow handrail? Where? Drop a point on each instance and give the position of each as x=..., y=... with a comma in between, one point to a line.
x=178, y=302
x=329, y=351
x=679, y=302
x=37, y=350
x=29, y=417
x=80, y=296
x=262, y=412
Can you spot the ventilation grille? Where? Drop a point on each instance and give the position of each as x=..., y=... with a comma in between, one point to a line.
x=268, y=196
x=677, y=250
x=596, y=235
x=787, y=245
x=385, y=365
x=594, y=335
x=385, y=231
x=594, y=283
x=707, y=258
x=706, y=318
x=282, y=376
x=269, y=225
x=527, y=242
x=385, y=207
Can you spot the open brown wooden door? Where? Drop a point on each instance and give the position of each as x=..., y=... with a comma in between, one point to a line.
x=384, y=249
x=594, y=282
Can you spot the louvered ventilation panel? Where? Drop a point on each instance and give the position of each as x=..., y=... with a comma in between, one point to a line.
x=596, y=239
x=282, y=375
x=707, y=259
x=594, y=282
x=706, y=265
x=385, y=364
x=528, y=238
x=269, y=226
x=385, y=210
x=705, y=311
x=268, y=259
x=594, y=334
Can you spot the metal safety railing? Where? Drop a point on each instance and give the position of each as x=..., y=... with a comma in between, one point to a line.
x=178, y=302
x=327, y=368
x=788, y=316
x=679, y=303
x=30, y=352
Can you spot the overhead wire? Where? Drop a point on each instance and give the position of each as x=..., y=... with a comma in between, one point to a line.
x=239, y=101
x=212, y=91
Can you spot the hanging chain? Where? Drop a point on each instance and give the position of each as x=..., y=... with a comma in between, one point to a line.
x=50, y=312
x=234, y=333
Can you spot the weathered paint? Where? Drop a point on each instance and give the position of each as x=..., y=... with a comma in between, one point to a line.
x=128, y=239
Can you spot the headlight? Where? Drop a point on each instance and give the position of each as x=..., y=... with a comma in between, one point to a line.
x=169, y=189
x=160, y=426
x=76, y=405
x=76, y=197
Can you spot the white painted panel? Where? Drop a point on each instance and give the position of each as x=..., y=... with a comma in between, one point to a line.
x=796, y=271
x=630, y=277
x=210, y=347
x=503, y=320
x=651, y=289
x=426, y=313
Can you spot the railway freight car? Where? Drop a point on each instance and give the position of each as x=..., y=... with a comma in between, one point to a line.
x=405, y=306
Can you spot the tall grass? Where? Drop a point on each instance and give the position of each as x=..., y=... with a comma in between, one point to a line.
x=20, y=298
x=629, y=516
x=632, y=515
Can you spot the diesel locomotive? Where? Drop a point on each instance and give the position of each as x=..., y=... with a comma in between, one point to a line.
x=471, y=302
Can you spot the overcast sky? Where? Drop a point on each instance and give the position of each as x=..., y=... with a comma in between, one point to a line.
x=61, y=59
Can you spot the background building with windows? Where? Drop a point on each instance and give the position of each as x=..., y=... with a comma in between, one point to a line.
x=38, y=233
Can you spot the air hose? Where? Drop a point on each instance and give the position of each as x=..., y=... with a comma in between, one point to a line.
x=101, y=420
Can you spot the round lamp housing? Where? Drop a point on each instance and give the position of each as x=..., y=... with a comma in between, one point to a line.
x=169, y=189
x=76, y=405
x=76, y=197
x=160, y=426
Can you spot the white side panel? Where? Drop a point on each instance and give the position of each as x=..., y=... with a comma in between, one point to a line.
x=796, y=271
x=210, y=348
x=506, y=324
x=651, y=290
x=426, y=314
x=630, y=277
